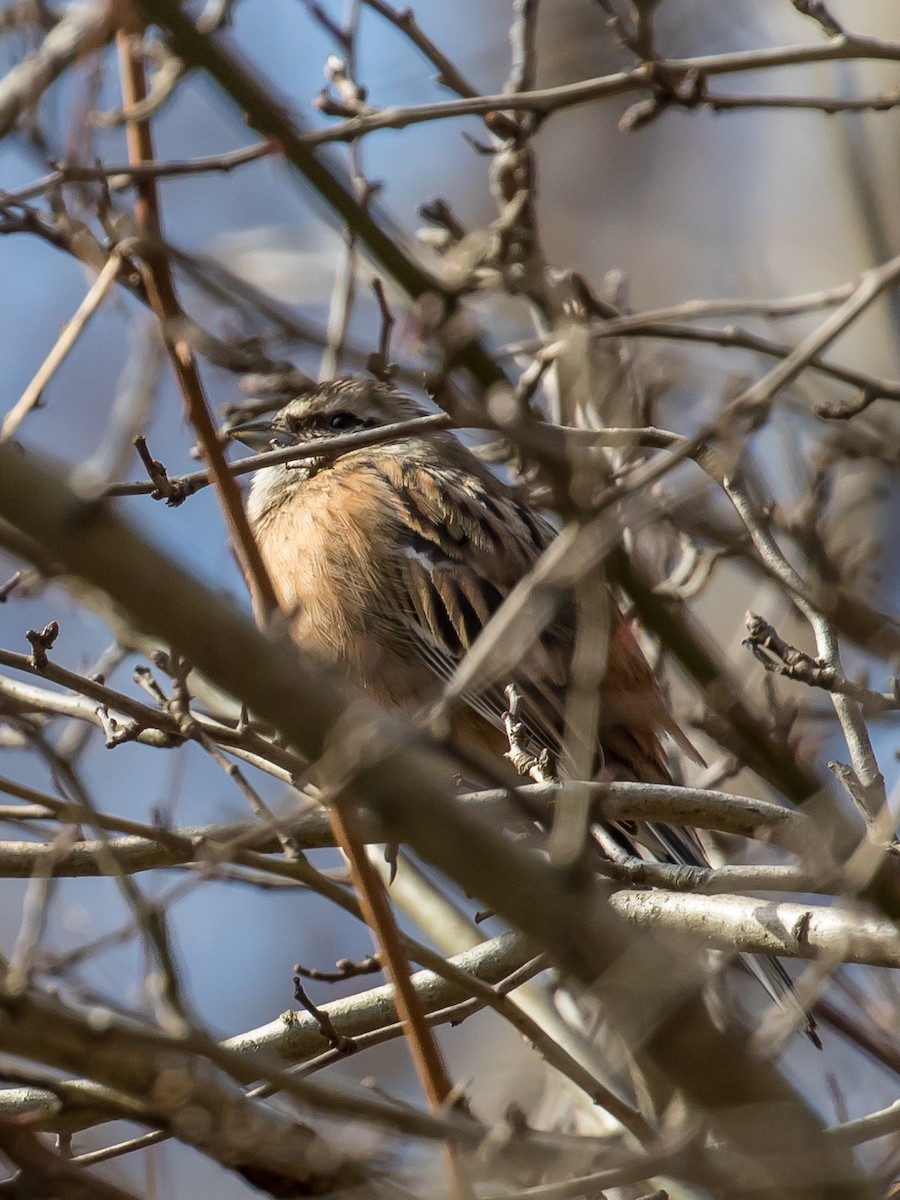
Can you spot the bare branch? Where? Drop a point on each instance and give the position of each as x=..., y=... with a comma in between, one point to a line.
x=31, y=397
x=684, y=1043
x=739, y=923
x=82, y=29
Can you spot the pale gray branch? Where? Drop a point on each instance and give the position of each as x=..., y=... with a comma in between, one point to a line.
x=292, y=1038
x=743, y=924
x=84, y=27
x=401, y=781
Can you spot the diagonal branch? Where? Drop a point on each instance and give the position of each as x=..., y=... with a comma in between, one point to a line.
x=83, y=28
x=271, y=119
x=164, y=302
x=73, y=329
x=400, y=782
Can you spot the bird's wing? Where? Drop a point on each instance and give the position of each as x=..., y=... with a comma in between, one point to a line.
x=464, y=541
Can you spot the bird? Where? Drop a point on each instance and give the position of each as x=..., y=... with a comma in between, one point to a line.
x=390, y=559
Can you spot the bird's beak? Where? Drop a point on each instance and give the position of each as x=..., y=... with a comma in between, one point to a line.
x=259, y=434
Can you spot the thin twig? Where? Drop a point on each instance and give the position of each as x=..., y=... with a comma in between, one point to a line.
x=882, y=102
x=123, y=174
x=871, y=284
x=72, y=331
x=164, y=488
x=546, y=101
x=188, y=484
x=373, y=901
x=779, y=656
x=272, y=120
x=379, y=364
x=345, y=968
x=164, y=301
x=858, y=741
x=338, y=1041
x=874, y=387
x=449, y=75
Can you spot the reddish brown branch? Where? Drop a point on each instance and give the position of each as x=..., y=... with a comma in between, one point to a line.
x=163, y=300
x=165, y=304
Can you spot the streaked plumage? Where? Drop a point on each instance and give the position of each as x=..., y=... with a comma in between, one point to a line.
x=392, y=558
x=408, y=548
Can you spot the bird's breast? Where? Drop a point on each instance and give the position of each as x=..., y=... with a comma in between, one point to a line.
x=329, y=549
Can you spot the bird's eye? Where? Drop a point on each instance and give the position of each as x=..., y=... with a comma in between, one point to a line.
x=341, y=420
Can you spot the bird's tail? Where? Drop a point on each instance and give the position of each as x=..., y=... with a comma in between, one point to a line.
x=681, y=847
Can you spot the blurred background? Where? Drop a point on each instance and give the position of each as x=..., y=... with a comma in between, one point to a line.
x=697, y=205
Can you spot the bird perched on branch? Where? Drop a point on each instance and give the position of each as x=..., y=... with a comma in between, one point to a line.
x=392, y=558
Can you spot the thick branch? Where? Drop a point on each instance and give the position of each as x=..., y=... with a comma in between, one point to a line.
x=400, y=780
x=170, y=1084
x=293, y=1037
x=743, y=924
x=146, y=847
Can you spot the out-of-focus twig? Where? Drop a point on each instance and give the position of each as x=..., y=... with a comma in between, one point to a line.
x=121, y=174
x=73, y=329
x=47, y=1172
x=164, y=301
x=271, y=119
x=80, y=30
x=404, y=19
x=159, y=285
x=402, y=791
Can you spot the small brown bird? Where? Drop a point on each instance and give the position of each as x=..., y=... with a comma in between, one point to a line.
x=394, y=557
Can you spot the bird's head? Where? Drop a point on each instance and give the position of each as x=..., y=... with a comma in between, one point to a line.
x=338, y=407
x=334, y=409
